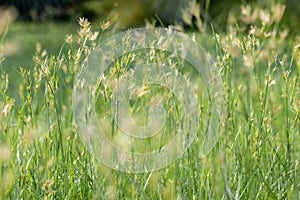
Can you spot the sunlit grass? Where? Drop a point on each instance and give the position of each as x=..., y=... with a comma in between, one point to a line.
x=257, y=156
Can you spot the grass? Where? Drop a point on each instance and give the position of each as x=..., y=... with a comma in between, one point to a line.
x=27, y=34
x=22, y=38
x=256, y=157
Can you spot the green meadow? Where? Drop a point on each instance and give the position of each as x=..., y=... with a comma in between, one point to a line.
x=256, y=156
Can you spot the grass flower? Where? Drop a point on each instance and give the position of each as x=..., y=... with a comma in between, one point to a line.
x=277, y=12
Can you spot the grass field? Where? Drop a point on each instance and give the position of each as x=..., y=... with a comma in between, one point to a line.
x=256, y=157
x=21, y=41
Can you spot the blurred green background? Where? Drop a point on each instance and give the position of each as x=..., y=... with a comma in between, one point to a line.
x=134, y=12
x=49, y=21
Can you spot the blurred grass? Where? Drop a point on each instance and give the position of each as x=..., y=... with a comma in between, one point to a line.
x=27, y=34
x=23, y=38
x=257, y=157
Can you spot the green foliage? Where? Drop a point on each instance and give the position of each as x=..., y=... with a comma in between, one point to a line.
x=257, y=156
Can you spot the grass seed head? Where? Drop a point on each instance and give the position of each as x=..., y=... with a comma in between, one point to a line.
x=5, y=153
x=277, y=11
x=7, y=15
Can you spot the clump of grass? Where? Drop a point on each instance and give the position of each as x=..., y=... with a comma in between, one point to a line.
x=257, y=156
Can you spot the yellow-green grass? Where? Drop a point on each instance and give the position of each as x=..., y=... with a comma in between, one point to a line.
x=256, y=157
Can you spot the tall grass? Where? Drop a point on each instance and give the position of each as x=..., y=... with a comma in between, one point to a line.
x=257, y=156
